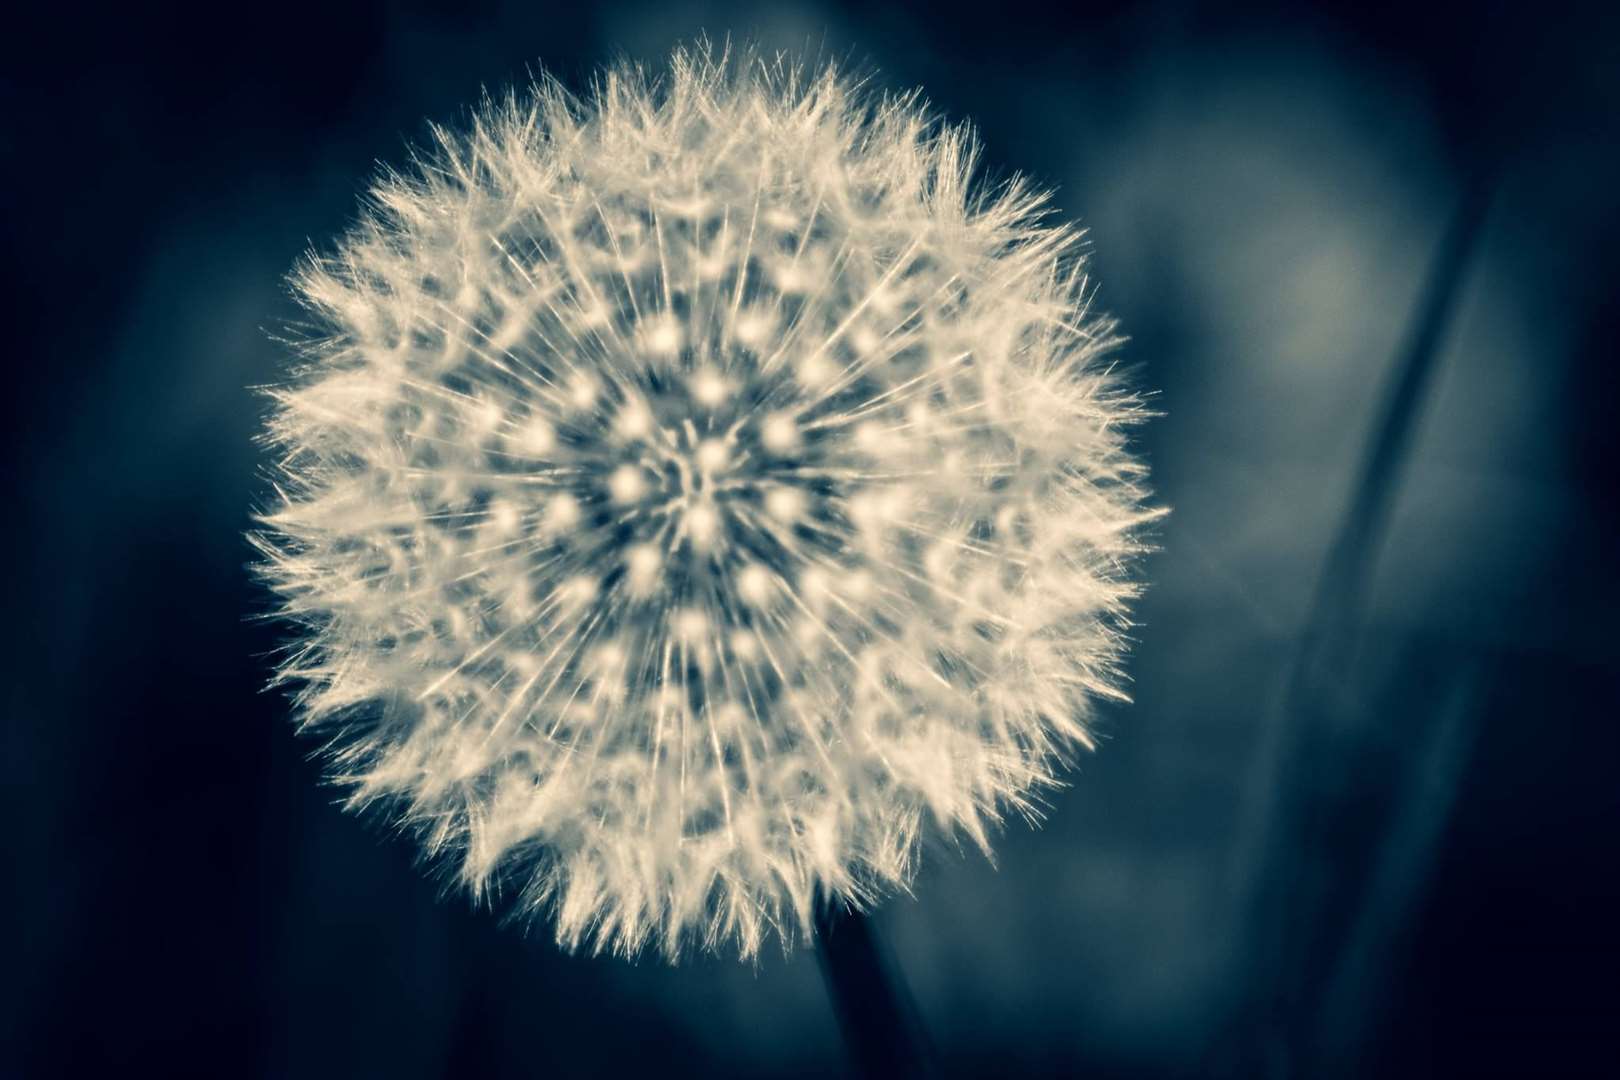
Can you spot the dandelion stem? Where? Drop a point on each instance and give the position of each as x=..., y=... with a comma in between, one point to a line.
x=879, y=1022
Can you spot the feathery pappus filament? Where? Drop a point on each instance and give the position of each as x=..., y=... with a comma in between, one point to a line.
x=695, y=492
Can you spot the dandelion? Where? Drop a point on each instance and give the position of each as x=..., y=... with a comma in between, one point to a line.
x=695, y=494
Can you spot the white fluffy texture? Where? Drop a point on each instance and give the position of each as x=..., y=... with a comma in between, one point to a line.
x=692, y=492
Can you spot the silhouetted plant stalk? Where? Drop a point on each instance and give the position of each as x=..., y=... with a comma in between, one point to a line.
x=876, y=1014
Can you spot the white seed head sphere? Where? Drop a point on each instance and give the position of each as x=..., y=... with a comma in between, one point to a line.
x=695, y=492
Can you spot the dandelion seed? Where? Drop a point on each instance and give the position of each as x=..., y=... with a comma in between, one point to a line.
x=695, y=492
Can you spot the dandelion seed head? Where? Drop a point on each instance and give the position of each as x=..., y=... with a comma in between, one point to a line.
x=695, y=492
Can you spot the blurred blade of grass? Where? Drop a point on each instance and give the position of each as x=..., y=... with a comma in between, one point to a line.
x=1317, y=671
x=1283, y=877
x=1337, y=606
x=1399, y=871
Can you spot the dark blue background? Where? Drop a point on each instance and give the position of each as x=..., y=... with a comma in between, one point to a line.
x=1362, y=814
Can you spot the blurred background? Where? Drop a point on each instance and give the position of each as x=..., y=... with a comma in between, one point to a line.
x=1362, y=815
